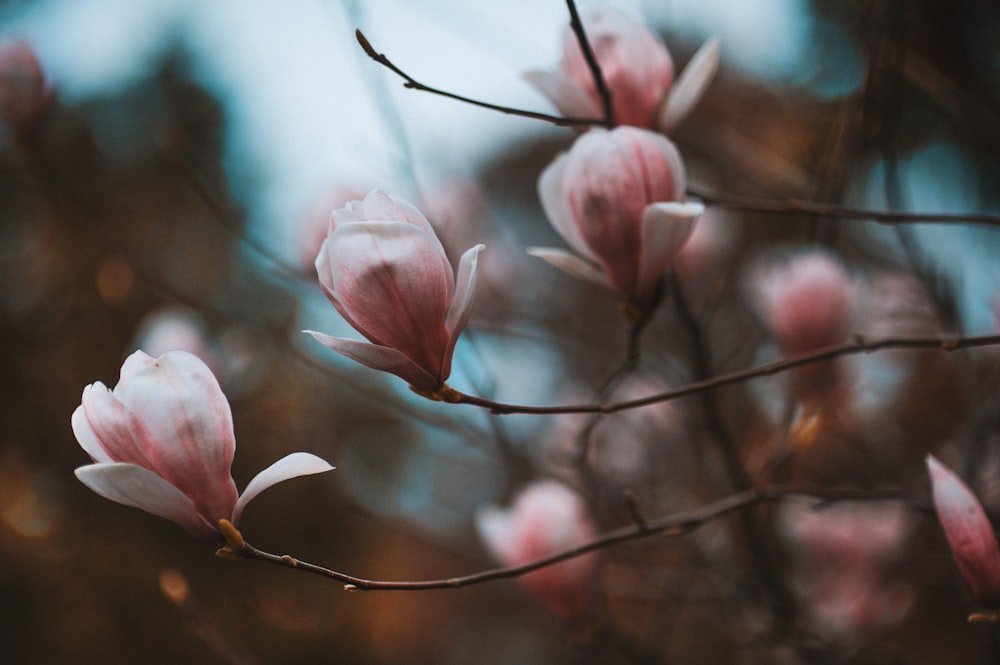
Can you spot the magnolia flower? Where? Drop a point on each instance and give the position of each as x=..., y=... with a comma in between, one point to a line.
x=163, y=441
x=24, y=95
x=638, y=71
x=616, y=199
x=969, y=532
x=547, y=518
x=386, y=272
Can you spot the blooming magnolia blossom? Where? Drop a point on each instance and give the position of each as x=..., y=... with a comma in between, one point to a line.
x=638, y=71
x=386, y=272
x=162, y=440
x=547, y=517
x=616, y=199
x=969, y=532
x=24, y=95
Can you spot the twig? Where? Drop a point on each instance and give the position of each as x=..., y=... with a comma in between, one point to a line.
x=859, y=345
x=412, y=83
x=595, y=69
x=673, y=525
x=795, y=206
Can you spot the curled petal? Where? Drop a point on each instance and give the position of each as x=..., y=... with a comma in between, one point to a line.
x=665, y=229
x=556, y=205
x=572, y=264
x=378, y=206
x=180, y=421
x=379, y=357
x=461, y=304
x=288, y=467
x=969, y=533
x=689, y=88
x=570, y=99
x=132, y=485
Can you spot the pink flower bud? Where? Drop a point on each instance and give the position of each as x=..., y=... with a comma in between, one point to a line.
x=386, y=272
x=635, y=65
x=969, y=533
x=615, y=198
x=808, y=302
x=163, y=441
x=547, y=517
x=24, y=96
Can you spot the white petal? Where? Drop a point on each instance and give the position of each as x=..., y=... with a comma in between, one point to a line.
x=571, y=100
x=665, y=228
x=378, y=357
x=291, y=466
x=687, y=91
x=132, y=485
x=461, y=304
x=572, y=264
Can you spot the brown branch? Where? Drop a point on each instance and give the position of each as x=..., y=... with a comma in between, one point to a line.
x=673, y=525
x=859, y=345
x=798, y=206
x=410, y=82
x=595, y=69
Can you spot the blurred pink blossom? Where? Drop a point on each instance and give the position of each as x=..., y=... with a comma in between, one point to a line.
x=24, y=96
x=969, y=532
x=616, y=199
x=547, y=517
x=638, y=71
x=845, y=557
x=177, y=329
x=386, y=272
x=163, y=441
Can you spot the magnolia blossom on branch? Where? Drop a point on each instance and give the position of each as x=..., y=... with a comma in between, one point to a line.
x=616, y=197
x=637, y=69
x=162, y=440
x=384, y=269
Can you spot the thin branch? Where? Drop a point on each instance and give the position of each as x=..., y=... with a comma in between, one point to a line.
x=412, y=83
x=798, y=206
x=673, y=525
x=595, y=69
x=859, y=345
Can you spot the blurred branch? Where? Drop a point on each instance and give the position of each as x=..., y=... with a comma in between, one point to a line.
x=798, y=206
x=412, y=83
x=859, y=345
x=673, y=525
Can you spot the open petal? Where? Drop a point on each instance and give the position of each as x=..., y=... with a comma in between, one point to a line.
x=291, y=466
x=969, y=532
x=572, y=264
x=379, y=357
x=689, y=88
x=665, y=228
x=180, y=420
x=571, y=100
x=552, y=193
x=461, y=304
x=132, y=485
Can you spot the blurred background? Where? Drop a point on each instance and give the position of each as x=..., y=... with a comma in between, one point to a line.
x=172, y=192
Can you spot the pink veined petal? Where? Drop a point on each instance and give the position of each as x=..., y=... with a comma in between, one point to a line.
x=379, y=357
x=689, y=88
x=389, y=278
x=572, y=264
x=380, y=207
x=103, y=433
x=324, y=273
x=180, y=420
x=134, y=486
x=665, y=229
x=288, y=467
x=969, y=532
x=552, y=193
x=570, y=99
x=461, y=304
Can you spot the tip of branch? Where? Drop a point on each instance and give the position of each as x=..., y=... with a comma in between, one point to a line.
x=365, y=44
